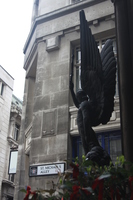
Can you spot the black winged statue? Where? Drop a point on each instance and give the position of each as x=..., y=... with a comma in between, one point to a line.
x=95, y=101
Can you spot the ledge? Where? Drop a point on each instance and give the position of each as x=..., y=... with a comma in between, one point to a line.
x=12, y=142
x=5, y=181
x=58, y=13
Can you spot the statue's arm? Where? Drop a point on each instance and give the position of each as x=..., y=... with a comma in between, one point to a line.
x=73, y=94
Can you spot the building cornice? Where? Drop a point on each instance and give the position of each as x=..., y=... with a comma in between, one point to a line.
x=58, y=13
x=6, y=72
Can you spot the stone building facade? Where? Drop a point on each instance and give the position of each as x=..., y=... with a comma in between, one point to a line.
x=48, y=130
x=10, y=120
x=8, y=183
x=6, y=88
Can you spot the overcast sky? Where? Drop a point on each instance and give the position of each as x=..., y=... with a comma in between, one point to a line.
x=15, y=22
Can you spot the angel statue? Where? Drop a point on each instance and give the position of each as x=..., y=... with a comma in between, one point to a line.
x=95, y=101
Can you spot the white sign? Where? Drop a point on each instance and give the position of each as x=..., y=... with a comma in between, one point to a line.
x=50, y=169
x=13, y=162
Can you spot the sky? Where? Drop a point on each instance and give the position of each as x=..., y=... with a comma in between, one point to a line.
x=15, y=23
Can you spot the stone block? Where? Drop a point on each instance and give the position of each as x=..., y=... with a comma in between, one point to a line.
x=31, y=88
x=48, y=147
x=59, y=99
x=44, y=158
x=51, y=85
x=38, y=147
x=57, y=145
x=38, y=88
x=42, y=54
x=49, y=123
x=43, y=73
x=64, y=82
x=52, y=43
x=61, y=68
x=62, y=116
x=41, y=103
x=37, y=125
x=28, y=116
x=52, y=57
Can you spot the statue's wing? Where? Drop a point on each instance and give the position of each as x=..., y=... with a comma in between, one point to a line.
x=109, y=80
x=91, y=65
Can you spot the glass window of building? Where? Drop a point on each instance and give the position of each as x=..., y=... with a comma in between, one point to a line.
x=100, y=45
x=16, y=132
x=110, y=141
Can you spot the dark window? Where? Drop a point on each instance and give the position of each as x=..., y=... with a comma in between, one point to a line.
x=9, y=198
x=77, y=150
x=16, y=132
x=110, y=141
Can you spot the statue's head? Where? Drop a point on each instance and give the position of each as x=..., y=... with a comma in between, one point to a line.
x=81, y=96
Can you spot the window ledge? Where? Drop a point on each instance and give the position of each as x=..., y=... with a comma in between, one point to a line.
x=5, y=181
x=12, y=141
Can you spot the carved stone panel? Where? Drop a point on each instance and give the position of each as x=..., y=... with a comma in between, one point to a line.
x=52, y=43
x=28, y=132
x=49, y=123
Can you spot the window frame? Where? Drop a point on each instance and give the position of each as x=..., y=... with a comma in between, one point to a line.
x=76, y=141
x=10, y=161
x=77, y=63
x=16, y=132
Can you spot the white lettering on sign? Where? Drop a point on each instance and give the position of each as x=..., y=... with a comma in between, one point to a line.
x=50, y=169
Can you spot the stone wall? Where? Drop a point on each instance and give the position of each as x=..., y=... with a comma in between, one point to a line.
x=5, y=105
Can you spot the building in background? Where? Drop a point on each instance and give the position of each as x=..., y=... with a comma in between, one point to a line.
x=10, y=120
x=6, y=88
x=48, y=130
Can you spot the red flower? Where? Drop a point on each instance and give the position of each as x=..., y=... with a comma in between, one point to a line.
x=75, y=194
x=75, y=170
x=86, y=191
x=118, y=194
x=100, y=183
x=28, y=193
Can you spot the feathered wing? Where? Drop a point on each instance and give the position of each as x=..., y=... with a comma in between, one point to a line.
x=91, y=66
x=98, y=72
x=109, y=80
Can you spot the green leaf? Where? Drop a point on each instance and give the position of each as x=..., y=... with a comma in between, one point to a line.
x=104, y=176
x=23, y=190
x=51, y=191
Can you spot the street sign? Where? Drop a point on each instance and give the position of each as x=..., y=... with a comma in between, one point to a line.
x=48, y=169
